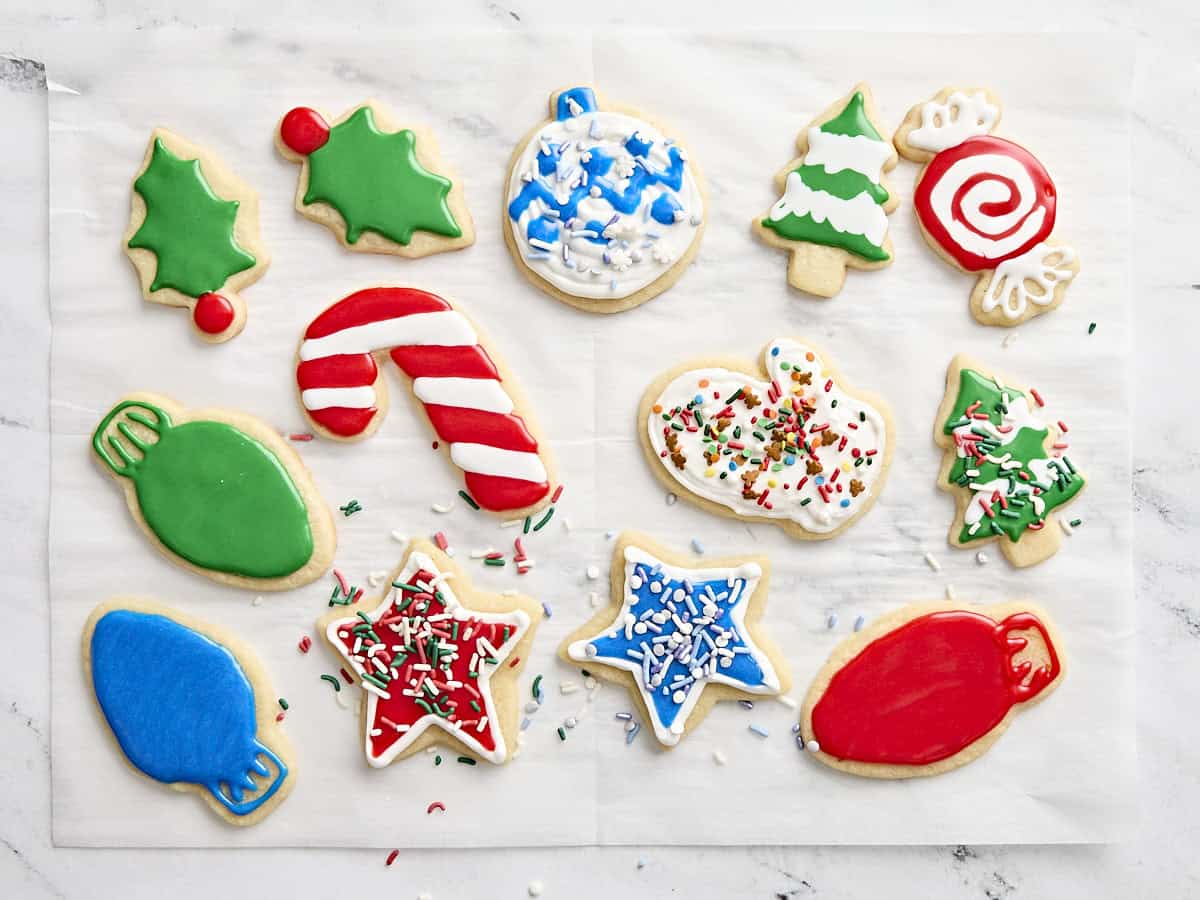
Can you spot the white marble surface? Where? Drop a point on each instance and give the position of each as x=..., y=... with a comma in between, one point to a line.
x=1159, y=862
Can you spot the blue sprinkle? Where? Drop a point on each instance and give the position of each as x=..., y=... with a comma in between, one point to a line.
x=789, y=460
x=845, y=503
x=795, y=728
x=524, y=724
x=624, y=716
x=746, y=704
x=732, y=467
x=859, y=622
x=699, y=398
x=632, y=733
x=832, y=621
x=774, y=351
x=610, y=535
x=820, y=479
x=697, y=546
x=547, y=610
x=759, y=730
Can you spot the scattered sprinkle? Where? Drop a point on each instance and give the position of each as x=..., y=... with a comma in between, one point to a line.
x=391, y=857
x=440, y=540
x=641, y=863
x=1066, y=527
x=437, y=760
x=562, y=733
x=468, y=499
x=593, y=598
x=568, y=687
x=283, y=704
x=746, y=704
x=631, y=733
x=442, y=507
x=399, y=536
x=759, y=730
x=1008, y=339
x=511, y=523
x=537, y=689
x=859, y=622
x=981, y=558
x=933, y=563
x=1075, y=523
x=671, y=498
x=305, y=644
x=718, y=757
x=832, y=621
x=1091, y=327
x=536, y=888
x=337, y=685
x=624, y=717
x=786, y=701
x=436, y=804
x=558, y=491
x=950, y=595
x=571, y=721
x=546, y=518
x=547, y=610
x=257, y=601
x=304, y=436
x=813, y=747
x=593, y=572
x=466, y=760
x=697, y=546
x=350, y=508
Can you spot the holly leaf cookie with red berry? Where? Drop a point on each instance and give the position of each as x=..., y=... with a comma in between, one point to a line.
x=379, y=186
x=929, y=687
x=987, y=206
x=438, y=661
x=791, y=444
x=193, y=235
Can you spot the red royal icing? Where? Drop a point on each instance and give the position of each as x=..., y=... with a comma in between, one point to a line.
x=989, y=224
x=929, y=689
x=303, y=130
x=213, y=313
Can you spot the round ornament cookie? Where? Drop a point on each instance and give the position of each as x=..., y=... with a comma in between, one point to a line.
x=190, y=706
x=835, y=201
x=929, y=687
x=603, y=208
x=438, y=661
x=1006, y=466
x=682, y=634
x=193, y=235
x=791, y=444
x=471, y=400
x=987, y=206
x=217, y=492
x=379, y=186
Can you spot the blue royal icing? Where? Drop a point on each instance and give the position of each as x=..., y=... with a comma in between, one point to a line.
x=677, y=631
x=600, y=203
x=181, y=707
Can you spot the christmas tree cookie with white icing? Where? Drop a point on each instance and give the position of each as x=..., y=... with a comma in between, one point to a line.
x=1007, y=467
x=682, y=634
x=193, y=235
x=438, y=661
x=791, y=444
x=835, y=198
x=986, y=206
x=604, y=209
x=379, y=186
x=190, y=706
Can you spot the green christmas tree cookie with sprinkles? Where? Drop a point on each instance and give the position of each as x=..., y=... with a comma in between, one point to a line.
x=1008, y=468
x=380, y=187
x=834, y=203
x=193, y=235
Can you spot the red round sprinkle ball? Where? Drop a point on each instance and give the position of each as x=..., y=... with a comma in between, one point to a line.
x=303, y=130
x=213, y=313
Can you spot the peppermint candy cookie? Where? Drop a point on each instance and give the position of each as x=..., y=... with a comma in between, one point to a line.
x=835, y=199
x=929, y=688
x=379, y=186
x=681, y=635
x=190, y=706
x=438, y=661
x=1006, y=465
x=791, y=444
x=987, y=206
x=193, y=235
x=603, y=208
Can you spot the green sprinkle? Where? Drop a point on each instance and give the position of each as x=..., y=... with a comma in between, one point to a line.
x=437, y=760
x=283, y=704
x=546, y=518
x=862, y=416
x=466, y=760
x=784, y=366
x=806, y=501
x=832, y=404
x=1091, y=327
x=526, y=529
x=1075, y=523
x=424, y=705
x=468, y=499
x=337, y=685
x=375, y=681
x=350, y=508
x=494, y=562
x=562, y=734
x=537, y=684
x=475, y=706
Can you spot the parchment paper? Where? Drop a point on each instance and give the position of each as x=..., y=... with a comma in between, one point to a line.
x=1065, y=770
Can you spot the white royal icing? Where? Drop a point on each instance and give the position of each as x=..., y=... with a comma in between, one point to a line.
x=816, y=515
x=860, y=215
x=1009, y=288
x=837, y=152
x=640, y=249
x=442, y=329
x=991, y=237
x=949, y=124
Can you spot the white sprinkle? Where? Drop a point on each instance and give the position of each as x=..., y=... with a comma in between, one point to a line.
x=950, y=593
x=786, y=701
x=531, y=707
x=832, y=622
x=594, y=599
x=1066, y=527
x=442, y=507
x=859, y=622
x=508, y=592
x=399, y=536
x=981, y=558
x=257, y=601
x=536, y=888
x=630, y=724
x=759, y=730
x=671, y=498
x=590, y=683
x=1008, y=339
x=812, y=747
x=718, y=757
x=610, y=535
x=481, y=552
x=568, y=687
x=566, y=524
x=511, y=523
x=933, y=563
x=697, y=546
x=593, y=572
x=571, y=721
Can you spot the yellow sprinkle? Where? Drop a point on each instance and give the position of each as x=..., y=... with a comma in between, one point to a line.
x=771, y=482
x=710, y=472
x=846, y=467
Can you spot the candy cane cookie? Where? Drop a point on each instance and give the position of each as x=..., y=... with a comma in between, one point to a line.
x=986, y=206
x=468, y=395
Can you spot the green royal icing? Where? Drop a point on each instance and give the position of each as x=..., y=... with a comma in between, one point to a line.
x=188, y=228
x=211, y=493
x=375, y=182
x=845, y=184
x=1026, y=446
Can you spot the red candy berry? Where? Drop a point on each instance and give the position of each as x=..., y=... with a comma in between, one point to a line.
x=213, y=313
x=303, y=130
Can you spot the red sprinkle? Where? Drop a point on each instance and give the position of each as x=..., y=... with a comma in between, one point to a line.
x=305, y=644
x=515, y=660
x=341, y=580
x=440, y=540
x=279, y=718
x=346, y=675
x=828, y=385
x=392, y=857
x=557, y=493
x=1037, y=397
x=298, y=436
x=436, y=804
x=1063, y=426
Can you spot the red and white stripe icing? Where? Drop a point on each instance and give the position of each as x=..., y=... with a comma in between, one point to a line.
x=452, y=375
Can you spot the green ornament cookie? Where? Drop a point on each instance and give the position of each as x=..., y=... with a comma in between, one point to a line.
x=218, y=491
x=835, y=201
x=379, y=187
x=193, y=235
